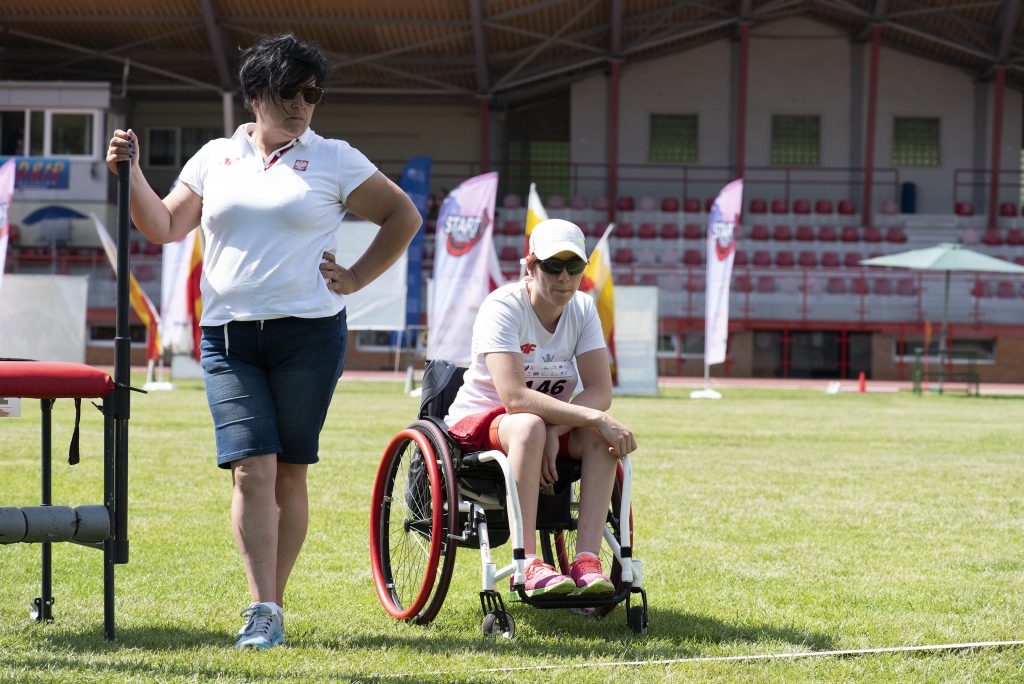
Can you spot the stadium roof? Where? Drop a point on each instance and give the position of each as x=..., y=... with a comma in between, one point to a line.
x=507, y=49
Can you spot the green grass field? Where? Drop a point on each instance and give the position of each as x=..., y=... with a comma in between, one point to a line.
x=768, y=522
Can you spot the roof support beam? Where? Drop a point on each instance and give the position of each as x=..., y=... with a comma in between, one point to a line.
x=483, y=82
x=699, y=27
x=215, y=34
x=547, y=43
x=112, y=58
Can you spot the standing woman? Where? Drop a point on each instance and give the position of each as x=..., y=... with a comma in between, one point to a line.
x=533, y=341
x=270, y=201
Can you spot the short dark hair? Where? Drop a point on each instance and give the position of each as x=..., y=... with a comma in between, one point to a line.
x=281, y=61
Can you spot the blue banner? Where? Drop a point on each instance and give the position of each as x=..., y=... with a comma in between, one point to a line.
x=416, y=184
x=41, y=172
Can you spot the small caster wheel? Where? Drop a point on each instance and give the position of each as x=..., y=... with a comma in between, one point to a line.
x=499, y=623
x=636, y=618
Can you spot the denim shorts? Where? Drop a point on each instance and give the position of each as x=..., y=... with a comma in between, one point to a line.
x=270, y=383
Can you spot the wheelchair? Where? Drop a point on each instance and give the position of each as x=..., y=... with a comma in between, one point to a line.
x=430, y=498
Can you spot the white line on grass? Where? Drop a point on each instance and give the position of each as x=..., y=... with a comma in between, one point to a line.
x=757, y=656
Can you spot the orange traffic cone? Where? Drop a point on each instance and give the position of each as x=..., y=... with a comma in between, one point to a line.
x=862, y=385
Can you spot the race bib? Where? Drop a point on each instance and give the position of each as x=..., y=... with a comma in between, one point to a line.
x=555, y=378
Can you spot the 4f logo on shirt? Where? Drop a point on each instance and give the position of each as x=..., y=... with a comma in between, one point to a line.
x=300, y=165
x=527, y=348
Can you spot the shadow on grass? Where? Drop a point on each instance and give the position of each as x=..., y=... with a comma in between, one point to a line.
x=153, y=638
x=670, y=635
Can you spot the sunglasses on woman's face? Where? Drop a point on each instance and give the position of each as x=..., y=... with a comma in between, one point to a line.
x=311, y=94
x=554, y=266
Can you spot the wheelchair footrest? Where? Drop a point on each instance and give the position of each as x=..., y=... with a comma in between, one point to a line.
x=569, y=601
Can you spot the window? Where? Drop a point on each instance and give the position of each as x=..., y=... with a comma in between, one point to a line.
x=673, y=138
x=962, y=351
x=915, y=141
x=71, y=134
x=685, y=345
x=194, y=138
x=45, y=133
x=796, y=140
x=544, y=162
x=162, y=148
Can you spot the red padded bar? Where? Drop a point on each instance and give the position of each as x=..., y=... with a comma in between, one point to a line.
x=52, y=380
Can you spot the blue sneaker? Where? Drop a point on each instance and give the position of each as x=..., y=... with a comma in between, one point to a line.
x=264, y=627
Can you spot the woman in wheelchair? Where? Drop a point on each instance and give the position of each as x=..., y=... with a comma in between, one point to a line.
x=517, y=397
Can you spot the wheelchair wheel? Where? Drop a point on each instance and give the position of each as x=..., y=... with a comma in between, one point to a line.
x=413, y=511
x=559, y=547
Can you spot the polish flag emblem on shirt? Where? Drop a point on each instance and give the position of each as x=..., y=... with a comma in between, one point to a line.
x=300, y=164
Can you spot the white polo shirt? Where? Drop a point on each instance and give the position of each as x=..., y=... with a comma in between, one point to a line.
x=507, y=322
x=268, y=222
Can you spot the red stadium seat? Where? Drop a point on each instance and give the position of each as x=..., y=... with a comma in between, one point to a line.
x=852, y=259
x=648, y=203
x=136, y=247
x=849, y=234
x=805, y=233
x=693, y=257
x=555, y=202
x=623, y=255
x=883, y=287
x=827, y=234
x=759, y=231
x=599, y=203
x=872, y=234
x=807, y=259
x=13, y=233
x=836, y=286
x=801, y=207
x=992, y=237
x=709, y=203
x=511, y=227
x=784, y=259
x=691, y=205
x=509, y=253
x=152, y=249
x=847, y=208
x=780, y=206
x=693, y=231
x=625, y=203
x=1015, y=237
x=830, y=260
x=1007, y=209
x=758, y=206
x=1006, y=290
x=512, y=201
x=895, y=235
x=905, y=287
x=669, y=231
x=623, y=231
x=782, y=233
x=741, y=258
x=647, y=231
x=1019, y=260
x=743, y=284
x=823, y=206
x=859, y=286
x=625, y=279
x=647, y=279
x=766, y=284
x=669, y=204
x=578, y=203
x=982, y=288
x=963, y=209
x=762, y=257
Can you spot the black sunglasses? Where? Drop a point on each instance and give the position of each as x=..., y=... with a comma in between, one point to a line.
x=311, y=94
x=554, y=266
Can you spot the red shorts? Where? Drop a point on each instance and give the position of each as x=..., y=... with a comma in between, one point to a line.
x=479, y=432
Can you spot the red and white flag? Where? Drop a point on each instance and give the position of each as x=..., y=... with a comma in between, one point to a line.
x=466, y=267
x=6, y=195
x=722, y=222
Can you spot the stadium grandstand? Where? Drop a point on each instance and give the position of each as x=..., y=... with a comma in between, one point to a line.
x=860, y=127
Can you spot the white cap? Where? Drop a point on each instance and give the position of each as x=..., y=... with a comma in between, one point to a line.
x=555, y=236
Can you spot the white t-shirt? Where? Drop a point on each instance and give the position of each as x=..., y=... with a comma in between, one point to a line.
x=507, y=322
x=268, y=222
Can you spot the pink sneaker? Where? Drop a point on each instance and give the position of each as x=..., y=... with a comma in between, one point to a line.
x=586, y=573
x=542, y=580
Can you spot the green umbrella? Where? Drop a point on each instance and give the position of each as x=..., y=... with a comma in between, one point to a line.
x=946, y=257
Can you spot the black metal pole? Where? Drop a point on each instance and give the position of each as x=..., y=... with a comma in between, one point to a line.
x=108, y=501
x=42, y=610
x=122, y=365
